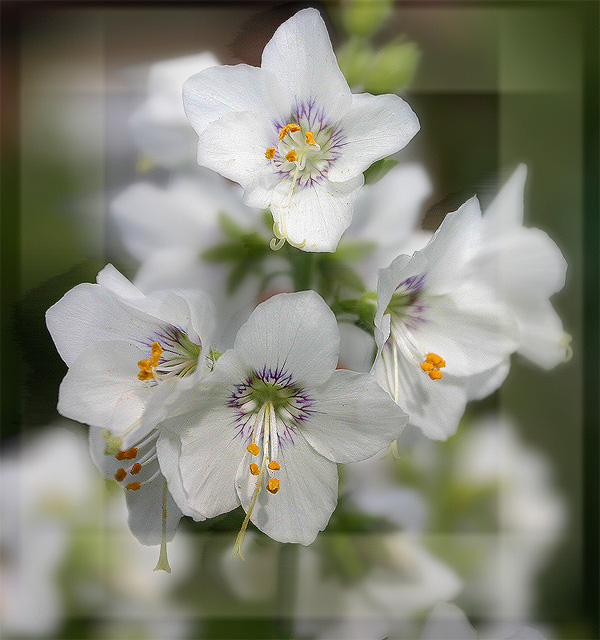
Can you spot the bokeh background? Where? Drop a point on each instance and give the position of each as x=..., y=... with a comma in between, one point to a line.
x=497, y=83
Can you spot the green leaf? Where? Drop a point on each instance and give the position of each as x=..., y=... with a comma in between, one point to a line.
x=229, y=227
x=378, y=169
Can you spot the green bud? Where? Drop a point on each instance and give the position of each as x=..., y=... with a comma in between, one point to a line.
x=363, y=17
x=354, y=59
x=393, y=67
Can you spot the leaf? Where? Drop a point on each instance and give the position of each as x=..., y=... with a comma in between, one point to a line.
x=378, y=169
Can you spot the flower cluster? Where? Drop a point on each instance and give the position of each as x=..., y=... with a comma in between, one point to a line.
x=218, y=379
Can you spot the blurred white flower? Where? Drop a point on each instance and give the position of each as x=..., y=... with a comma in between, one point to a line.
x=293, y=135
x=448, y=622
x=159, y=125
x=531, y=516
x=47, y=488
x=526, y=267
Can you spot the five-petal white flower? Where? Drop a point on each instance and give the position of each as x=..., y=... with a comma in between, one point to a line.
x=268, y=425
x=432, y=314
x=127, y=353
x=292, y=134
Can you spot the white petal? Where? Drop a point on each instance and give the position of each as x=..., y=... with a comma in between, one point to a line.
x=434, y=406
x=470, y=330
x=523, y=264
x=105, y=374
x=300, y=55
x=146, y=508
x=305, y=501
x=353, y=418
x=543, y=340
x=506, y=211
x=291, y=332
x=317, y=215
x=114, y=281
x=235, y=147
x=90, y=313
x=375, y=127
x=168, y=448
x=218, y=91
x=447, y=622
x=449, y=250
x=483, y=384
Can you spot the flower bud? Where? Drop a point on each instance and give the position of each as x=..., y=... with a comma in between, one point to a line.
x=363, y=17
x=392, y=68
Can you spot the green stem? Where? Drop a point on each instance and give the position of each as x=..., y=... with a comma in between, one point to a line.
x=303, y=265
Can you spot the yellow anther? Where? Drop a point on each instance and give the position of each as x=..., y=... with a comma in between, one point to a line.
x=120, y=475
x=130, y=454
x=270, y=153
x=291, y=155
x=274, y=465
x=273, y=485
x=254, y=470
x=254, y=449
x=310, y=138
x=432, y=365
x=436, y=360
x=289, y=128
x=137, y=467
x=148, y=365
x=134, y=486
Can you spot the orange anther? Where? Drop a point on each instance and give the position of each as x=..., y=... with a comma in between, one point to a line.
x=254, y=470
x=130, y=454
x=436, y=360
x=120, y=455
x=120, y=475
x=254, y=449
x=426, y=366
x=289, y=128
x=274, y=465
x=436, y=374
x=291, y=156
x=310, y=138
x=273, y=485
x=134, y=486
x=137, y=467
x=270, y=153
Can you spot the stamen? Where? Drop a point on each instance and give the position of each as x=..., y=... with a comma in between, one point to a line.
x=289, y=128
x=130, y=454
x=270, y=153
x=148, y=365
x=273, y=485
x=274, y=465
x=120, y=455
x=254, y=470
x=291, y=156
x=432, y=365
x=310, y=138
x=254, y=449
x=120, y=475
x=163, y=561
x=137, y=467
x=134, y=486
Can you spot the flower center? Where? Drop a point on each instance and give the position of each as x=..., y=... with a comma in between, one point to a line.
x=172, y=353
x=269, y=410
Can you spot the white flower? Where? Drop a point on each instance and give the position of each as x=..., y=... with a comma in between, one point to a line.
x=526, y=267
x=159, y=126
x=433, y=315
x=271, y=421
x=127, y=353
x=448, y=622
x=292, y=134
